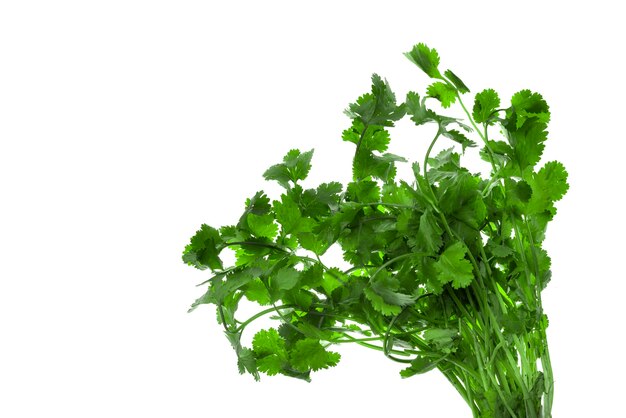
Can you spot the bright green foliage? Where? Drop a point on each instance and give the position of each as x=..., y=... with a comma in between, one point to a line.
x=445, y=93
x=418, y=111
x=446, y=267
x=295, y=166
x=425, y=58
x=204, y=249
x=454, y=79
x=309, y=354
x=378, y=107
x=453, y=267
x=485, y=104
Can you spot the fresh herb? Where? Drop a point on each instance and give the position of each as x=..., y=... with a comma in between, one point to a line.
x=447, y=268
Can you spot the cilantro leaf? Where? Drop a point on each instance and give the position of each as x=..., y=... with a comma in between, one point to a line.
x=429, y=234
x=383, y=293
x=485, y=103
x=328, y=194
x=374, y=138
x=548, y=185
x=286, y=278
x=262, y=225
x=527, y=144
x=377, y=166
x=426, y=59
x=309, y=354
x=247, y=362
x=270, y=351
x=295, y=166
x=460, y=138
x=419, y=113
x=364, y=191
x=257, y=292
x=378, y=107
x=443, y=92
x=460, y=85
x=526, y=105
x=289, y=216
x=419, y=365
x=203, y=251
x=453, y=267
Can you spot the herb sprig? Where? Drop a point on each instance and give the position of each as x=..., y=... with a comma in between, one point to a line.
x=447, y=268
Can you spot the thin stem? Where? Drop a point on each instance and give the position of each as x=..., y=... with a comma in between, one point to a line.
x=220, y=309
x=358, y=145
x=378, y=348
x=245, y=323
x=425, y=167
x=470, y=397
x=394, y=260
x=257, y=244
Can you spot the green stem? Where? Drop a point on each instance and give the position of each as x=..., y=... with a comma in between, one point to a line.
x=394, y=260
x=256, y=244
x=425, y=167
x=245, y=323
x=358, y=145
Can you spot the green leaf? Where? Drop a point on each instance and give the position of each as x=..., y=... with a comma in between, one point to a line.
x=425, y=58
x=308, y=354
x=446, y=165
x=267, y=342
x=441, y=338
x=443, y=92
x=428, y=275
x=247, y=362
x=526, y=105
x=460, y=85
x=224, y=285
x=203, y=251
x=485, y=103
x=328, y=193
x=548, y=186
x=286, y=278
x=372, y=138
x=332, y=279
x=259, y=204
x=381, y=167
x=460, y=198
x=458, y=137
x=262, y=226
x=312, y=242
x=295, y=166
x=257, y=292
x=386, y=286
x=289, y=216
x=312, y=277
x=527, y=144
x=418, y=111
x=429, y=234
x=383, y=293
x=453, y=267
x=270, y=351
x=498, y=250
x=366, y=191
x=419, y=365
x=378, y=107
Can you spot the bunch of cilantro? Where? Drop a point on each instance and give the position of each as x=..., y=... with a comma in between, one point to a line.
x=447, y=267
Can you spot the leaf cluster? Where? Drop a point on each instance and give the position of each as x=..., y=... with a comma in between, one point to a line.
x=447, y=267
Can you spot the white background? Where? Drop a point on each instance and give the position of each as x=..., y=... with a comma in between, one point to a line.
x=124, y=125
